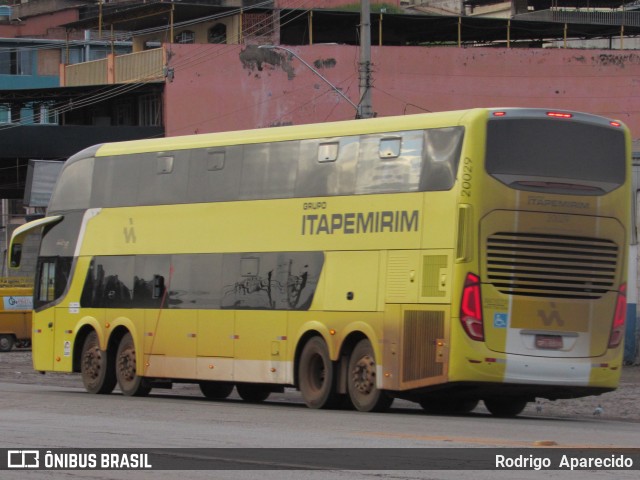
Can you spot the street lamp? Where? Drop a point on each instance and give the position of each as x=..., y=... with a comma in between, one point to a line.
x=333, y=87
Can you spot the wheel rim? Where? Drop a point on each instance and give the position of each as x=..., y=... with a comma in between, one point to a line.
x=92, y=364
x=363, y=375
x=127, y=366
x=5, y=343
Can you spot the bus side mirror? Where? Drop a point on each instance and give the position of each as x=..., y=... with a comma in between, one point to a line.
x=15, y=255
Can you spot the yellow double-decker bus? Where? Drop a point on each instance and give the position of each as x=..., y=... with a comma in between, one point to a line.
x=442, y=258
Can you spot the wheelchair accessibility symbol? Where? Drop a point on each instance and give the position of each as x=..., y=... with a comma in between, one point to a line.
x=500, y=320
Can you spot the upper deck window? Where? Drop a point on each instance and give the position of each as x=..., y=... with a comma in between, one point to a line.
x=73, y=188
x=386, y=162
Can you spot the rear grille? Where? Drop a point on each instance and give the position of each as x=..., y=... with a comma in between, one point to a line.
x=551, y=265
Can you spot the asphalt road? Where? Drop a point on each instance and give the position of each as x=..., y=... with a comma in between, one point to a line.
x=49, y=416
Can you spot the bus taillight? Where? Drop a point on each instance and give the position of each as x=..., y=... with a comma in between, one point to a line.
x=617, y=329
x=471, y=308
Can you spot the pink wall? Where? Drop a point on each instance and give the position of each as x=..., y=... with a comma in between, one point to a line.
x=230, y=87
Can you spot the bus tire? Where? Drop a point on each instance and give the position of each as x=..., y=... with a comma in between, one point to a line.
x=316, y=375
x=505, y=407
x=216, y=390
x=252, y=393
x=6, y=343
x=131, y=384
x=98, y=374
x=361, y=380
x=448, y=406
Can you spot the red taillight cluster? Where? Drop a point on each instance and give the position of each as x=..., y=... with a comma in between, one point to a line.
x=617, y=329
x=471, y=308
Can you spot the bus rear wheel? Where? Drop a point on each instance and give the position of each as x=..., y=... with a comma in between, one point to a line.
x=252, y=393
x=216, y=390
x=316, y=375
x=131, y=384
x=361, y=381
x=505, y=407
x=97, y=372
x=6, y=343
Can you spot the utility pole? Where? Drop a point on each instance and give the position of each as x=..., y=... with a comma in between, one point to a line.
x=365, y=108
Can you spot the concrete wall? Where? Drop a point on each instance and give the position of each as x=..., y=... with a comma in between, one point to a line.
x=39, y=25
x=230, y=87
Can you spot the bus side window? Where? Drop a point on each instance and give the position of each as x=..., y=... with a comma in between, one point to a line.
x=327, y=166
x=269, y=170
x=53, y=276
x=443, y=147
x=46, y=284
x=390, y=162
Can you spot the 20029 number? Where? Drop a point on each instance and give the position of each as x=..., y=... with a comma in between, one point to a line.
x=467, y=170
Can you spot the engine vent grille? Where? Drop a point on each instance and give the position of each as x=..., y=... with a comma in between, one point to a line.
x=551, y=265
x=421, y=332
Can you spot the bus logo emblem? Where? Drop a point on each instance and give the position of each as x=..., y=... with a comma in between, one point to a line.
x=549, y=318
x=129, y=233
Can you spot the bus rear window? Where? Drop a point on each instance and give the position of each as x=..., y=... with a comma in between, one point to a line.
x=556, y=156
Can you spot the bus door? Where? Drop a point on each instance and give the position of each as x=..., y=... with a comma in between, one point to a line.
x=43, y=323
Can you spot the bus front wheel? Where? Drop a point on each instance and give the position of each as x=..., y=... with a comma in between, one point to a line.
x=361, y=381
x=131, y=384
x=97, y=372
x=505, y=407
